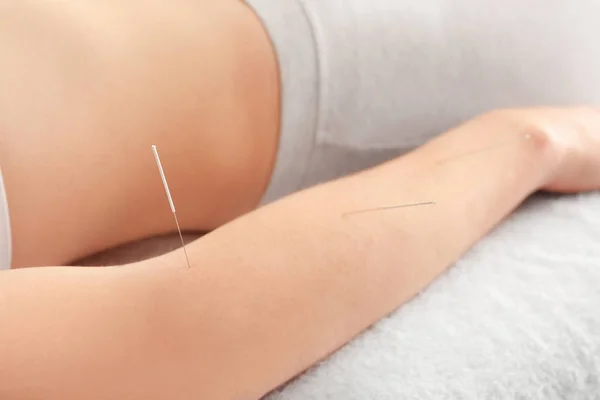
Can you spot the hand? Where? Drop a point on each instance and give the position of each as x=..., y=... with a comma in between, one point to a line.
x=575, y=133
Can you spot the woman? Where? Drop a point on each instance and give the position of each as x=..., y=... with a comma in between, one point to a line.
x=86, y=92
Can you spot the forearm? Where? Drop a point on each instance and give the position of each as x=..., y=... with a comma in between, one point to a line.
x=273, y=292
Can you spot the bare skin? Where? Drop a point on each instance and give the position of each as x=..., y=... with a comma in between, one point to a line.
x=264, y=299
x=85, y=93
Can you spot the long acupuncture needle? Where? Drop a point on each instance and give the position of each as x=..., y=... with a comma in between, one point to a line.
x=171, y=204
x=366, y=210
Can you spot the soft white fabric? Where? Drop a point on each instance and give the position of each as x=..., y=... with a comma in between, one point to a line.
x=517, y=318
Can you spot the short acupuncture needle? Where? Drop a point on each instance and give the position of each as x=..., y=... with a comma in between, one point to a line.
x=480, y=150
x=164, y=180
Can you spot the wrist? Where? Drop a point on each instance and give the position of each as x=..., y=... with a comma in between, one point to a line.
x=530, y=149
x=544, y=154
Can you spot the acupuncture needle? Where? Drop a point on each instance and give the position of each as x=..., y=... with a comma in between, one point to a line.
x=171, y=204
x=439, y=162
x=480, y=150
x=394, y=207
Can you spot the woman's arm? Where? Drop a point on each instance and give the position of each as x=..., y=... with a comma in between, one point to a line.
x=272, y=292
